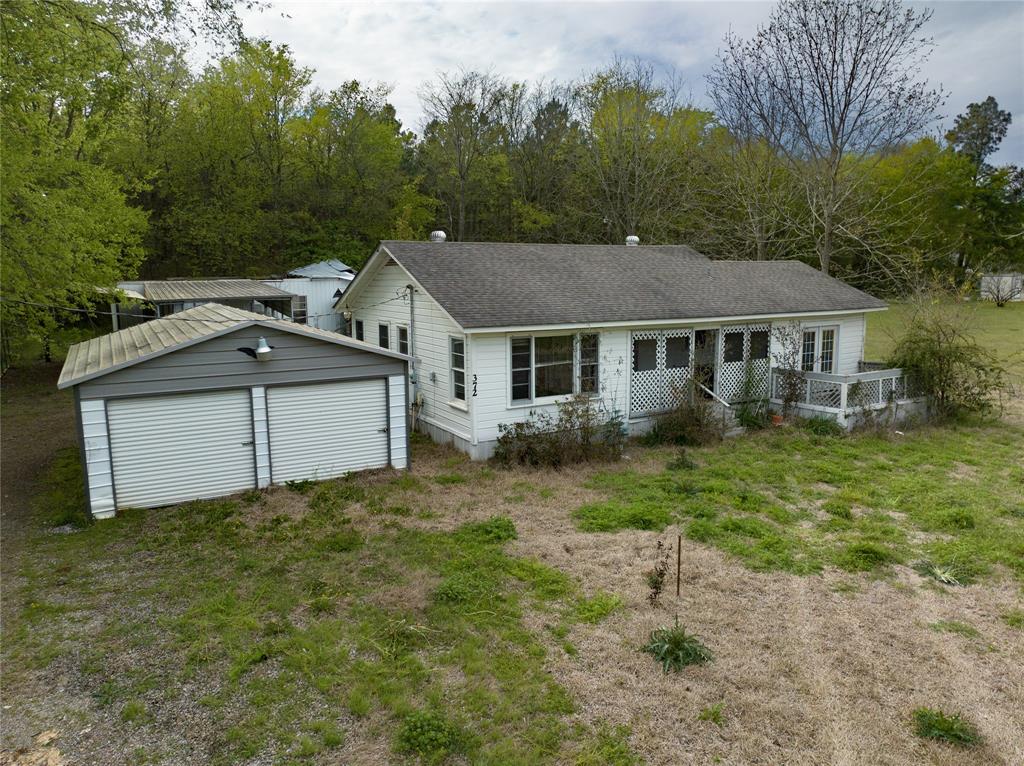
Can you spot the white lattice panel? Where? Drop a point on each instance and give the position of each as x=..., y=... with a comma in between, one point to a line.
x=825, y=393
x=647, y=387
x=732, y=375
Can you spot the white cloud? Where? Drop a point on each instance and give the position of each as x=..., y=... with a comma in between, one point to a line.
x=978, y=53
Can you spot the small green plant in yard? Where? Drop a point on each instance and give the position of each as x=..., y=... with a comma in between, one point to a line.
x=608, y=747
x=1014, y=618
x=681, y=462
x=955, y=626
x=302, y=486
x=135, y=711
x=713, y=714
x=945, y=574
x=597, y=607
x=954, y=729
x=655, y=577
x=428, y=734
x=673, y=648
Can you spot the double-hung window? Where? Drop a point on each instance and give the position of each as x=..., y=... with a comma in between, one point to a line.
x=403, y=340
x=457, y=352
x=359, y=329
x=553, y=365
x=818, y=349
x=384, y=336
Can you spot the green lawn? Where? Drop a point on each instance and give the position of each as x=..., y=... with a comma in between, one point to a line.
x=401, y=618
x=297, y=622
x=950, y=498
x=999, y=329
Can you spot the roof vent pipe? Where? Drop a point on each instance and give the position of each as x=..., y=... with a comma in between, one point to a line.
x=632, y=240
x=438, y=236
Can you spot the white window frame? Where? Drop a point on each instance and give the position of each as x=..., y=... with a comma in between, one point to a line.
x=454, y=401
x=818, y=331
x=387, y=326
x=398, y=338
x=535, y=401
x=359, y=329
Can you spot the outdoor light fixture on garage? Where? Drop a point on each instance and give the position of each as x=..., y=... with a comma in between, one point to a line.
x=263, y=350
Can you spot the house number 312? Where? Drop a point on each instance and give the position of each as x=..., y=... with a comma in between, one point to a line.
x=474, y=385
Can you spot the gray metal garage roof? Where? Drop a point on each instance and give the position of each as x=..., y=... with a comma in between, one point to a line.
x=123, y=348
x=210, y=290
x=484, y=284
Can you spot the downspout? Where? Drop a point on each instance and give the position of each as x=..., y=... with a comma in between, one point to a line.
x=414, y=378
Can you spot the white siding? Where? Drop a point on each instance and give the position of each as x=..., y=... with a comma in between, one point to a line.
x=261, y=436
x=397, y=430
x=490, y=363
x=97, y=459
x=850, y=340
x=386, y=300
x=320, y=298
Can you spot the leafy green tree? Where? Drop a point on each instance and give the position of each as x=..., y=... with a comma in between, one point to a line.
x=977, y=133
x=65, y=223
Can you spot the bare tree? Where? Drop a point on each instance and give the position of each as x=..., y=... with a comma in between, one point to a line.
x=463, y=115
x=832, y=85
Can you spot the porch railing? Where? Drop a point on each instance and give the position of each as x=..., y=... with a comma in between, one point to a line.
x=842, y=394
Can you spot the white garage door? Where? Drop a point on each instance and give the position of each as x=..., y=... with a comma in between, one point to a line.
x=328, y=429
x=167, y=449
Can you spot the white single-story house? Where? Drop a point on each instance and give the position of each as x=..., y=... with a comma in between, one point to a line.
x=499, y=331
x=318, y=287
x=214, y=400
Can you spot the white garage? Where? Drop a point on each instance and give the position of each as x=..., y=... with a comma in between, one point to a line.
x=216, y=400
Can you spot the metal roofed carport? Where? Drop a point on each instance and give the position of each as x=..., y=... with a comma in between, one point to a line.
x=215, y=399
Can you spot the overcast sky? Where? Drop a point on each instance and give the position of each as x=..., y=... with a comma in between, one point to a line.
x=979, y=45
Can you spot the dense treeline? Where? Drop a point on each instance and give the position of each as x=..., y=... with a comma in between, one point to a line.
x=121, y=160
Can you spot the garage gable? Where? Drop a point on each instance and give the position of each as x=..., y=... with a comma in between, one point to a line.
x=222, y=361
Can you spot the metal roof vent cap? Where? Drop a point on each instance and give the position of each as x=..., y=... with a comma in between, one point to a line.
x=632, y=240
x=262, y=350
x=438, y=236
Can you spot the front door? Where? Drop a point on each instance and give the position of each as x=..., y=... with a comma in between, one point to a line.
x=705, y=356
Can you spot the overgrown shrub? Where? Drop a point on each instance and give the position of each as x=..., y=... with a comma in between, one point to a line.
x=580, y=432
x=691, y=422
x=822, y=426
x=945, y=363
x=673, y=648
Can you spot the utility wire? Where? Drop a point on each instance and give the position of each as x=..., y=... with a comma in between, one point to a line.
x=91, y=312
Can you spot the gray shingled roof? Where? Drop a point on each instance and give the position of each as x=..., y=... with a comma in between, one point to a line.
x=210, y=290
x=507, y=285
x=99, y=356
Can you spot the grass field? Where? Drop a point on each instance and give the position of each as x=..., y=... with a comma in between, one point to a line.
x=999, y=329
x=862, y=598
